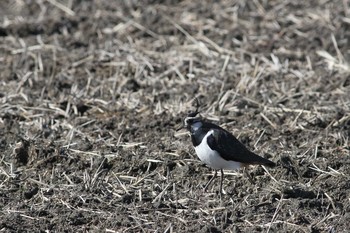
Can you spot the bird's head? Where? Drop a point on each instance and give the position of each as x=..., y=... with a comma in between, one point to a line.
x=193, y=121
x=192, y=118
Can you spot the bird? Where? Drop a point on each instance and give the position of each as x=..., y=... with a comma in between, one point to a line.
x=218, y=148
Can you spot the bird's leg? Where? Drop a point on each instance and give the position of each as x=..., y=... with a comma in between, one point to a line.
x=221, y=180
x=214, y=176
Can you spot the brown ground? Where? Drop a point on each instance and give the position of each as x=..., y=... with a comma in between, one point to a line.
x=92, y=91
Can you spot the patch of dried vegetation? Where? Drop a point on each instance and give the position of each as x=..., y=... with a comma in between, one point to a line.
x=92, y=91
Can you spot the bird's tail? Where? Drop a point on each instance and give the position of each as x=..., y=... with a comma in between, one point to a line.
x=269, y=163
x=262, y=161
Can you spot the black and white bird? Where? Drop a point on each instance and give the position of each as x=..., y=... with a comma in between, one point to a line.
x=218, y=148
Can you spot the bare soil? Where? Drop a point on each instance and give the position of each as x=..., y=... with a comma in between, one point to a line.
x=91, y=93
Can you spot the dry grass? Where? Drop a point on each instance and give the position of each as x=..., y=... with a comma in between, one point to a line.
x=91, y=94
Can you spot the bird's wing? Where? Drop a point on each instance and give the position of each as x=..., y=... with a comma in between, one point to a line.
x=231, y=149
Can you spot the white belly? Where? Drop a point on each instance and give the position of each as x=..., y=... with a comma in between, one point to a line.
x=212, y=158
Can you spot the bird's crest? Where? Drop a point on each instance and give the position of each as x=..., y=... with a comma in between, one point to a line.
x=192, y=115
x=195, y=113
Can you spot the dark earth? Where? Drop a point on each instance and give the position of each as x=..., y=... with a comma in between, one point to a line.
x=92, y=92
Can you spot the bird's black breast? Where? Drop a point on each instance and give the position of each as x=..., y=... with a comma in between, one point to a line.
x=198, y=131
x=198, y=135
